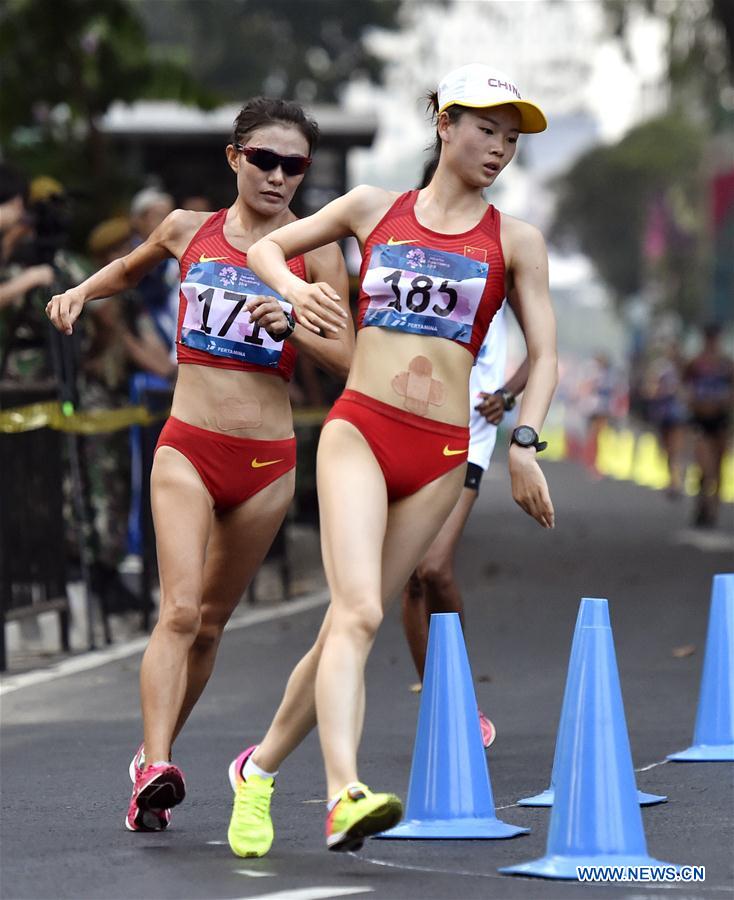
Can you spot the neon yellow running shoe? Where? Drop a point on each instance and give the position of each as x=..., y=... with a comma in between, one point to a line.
x=359, y=814
x=250, y=828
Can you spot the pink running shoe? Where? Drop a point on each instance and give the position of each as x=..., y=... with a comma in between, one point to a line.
x=236, y=766
x=489, y=732
x=137, y=764
x=156, y=790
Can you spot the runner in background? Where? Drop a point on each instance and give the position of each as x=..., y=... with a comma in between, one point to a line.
x=709, y=378
x=432, y=587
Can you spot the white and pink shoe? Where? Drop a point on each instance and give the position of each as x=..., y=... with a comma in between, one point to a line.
x=153, y=788
x=489, y=732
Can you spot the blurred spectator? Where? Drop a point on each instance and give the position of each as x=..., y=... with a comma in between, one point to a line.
x=34, y=261
x=662, y=391
x=197, y=202
x=121, y=340
x=709, y=378
x=604, y=399
x=159, y=288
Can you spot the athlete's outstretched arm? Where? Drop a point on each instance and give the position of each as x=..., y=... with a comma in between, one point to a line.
x=529, y=267
x=318, y=305
x=168, y=239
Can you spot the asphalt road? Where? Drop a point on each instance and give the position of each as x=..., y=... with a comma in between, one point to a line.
x=66, y=742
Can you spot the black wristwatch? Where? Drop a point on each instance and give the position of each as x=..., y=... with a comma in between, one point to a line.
x=527, y=436
x=290, y=327
x=507, y=397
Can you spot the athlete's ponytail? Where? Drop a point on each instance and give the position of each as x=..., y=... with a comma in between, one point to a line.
x=454, y=113
x=271, y=111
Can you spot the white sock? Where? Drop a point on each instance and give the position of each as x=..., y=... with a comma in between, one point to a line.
x=251, y=768
x=330, y=804
x=159, y=762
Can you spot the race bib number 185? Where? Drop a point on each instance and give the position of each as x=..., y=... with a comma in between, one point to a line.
x=423, y=291
x=216, y=320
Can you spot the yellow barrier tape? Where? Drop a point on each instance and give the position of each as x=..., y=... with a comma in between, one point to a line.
x=50, y=415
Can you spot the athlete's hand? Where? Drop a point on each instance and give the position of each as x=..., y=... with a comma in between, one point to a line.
x=268, y=314
x=63, y=309
x=529, y=487
x=491, y=407
x=318, y=307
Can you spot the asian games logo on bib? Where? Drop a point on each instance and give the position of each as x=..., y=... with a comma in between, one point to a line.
x=228, y=276
x=415, y=258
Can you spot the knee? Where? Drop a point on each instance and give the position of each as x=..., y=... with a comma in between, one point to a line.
x=208, y=636
x=181, y=615
x=436, y=576
x=360, y=615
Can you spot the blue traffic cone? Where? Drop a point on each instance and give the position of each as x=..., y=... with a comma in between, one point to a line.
x=592, y=611
x=450, y=795
x=713, y=736
x=596, y=818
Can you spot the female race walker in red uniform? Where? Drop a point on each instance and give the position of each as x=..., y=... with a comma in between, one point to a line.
x=437, y=264
x=223, y=474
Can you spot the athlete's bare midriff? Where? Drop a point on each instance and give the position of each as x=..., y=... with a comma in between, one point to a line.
x=241, y=404
x=384, y=365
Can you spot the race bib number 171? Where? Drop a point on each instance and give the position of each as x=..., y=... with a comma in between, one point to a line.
x=216, y=320
x=424, y=291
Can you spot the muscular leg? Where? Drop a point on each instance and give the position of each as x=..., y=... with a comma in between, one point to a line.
x=435, y=576
x=178, y=495
x=296, y=715
x=240, y=540
x=356, y=529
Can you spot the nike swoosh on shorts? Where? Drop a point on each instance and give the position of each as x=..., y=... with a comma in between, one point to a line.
x=256, y=464
x=447, y=452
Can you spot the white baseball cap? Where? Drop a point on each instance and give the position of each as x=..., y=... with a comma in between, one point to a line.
x=479, y=86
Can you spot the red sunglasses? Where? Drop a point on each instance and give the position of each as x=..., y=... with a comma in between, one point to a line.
x=267, y=160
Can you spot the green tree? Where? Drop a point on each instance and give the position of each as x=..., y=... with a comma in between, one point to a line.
x=63, y=63
x=700, y=49
x=608, y=196
x=305, y=49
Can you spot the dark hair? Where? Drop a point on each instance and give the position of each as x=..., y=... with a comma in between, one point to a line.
x=454, y=112
x=271, y=111
x=12, y=184
x=712, y=330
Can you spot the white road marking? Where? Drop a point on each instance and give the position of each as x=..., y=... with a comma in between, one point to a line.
x=216, y=843
x=708, y=541
x=254, y=873
x=312, y=893
x=662, y=762
x=654, y=765
x=95, y=658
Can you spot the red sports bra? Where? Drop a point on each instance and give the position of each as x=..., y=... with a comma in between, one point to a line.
x=423, y=282
x=213, y=327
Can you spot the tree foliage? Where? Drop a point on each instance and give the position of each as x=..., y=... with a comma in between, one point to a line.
x=63, y=63
x=306, y=49
x=606, y=199
x=700, y=48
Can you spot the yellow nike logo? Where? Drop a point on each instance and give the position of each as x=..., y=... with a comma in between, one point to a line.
x=447, y=452
x=203, y=258
x=391, y=241
x=256, y=464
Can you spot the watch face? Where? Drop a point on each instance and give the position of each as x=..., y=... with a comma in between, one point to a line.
x=525, y=436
